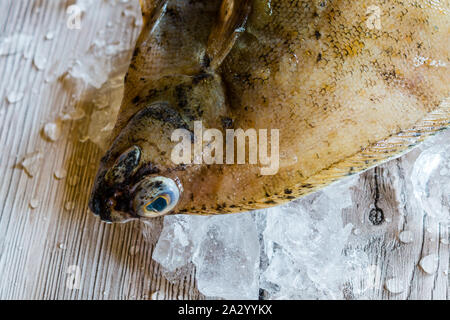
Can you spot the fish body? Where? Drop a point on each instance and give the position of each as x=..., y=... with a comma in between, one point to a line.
x=346, y=84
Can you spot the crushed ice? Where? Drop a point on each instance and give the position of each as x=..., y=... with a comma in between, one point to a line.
x=303, y=249
x=34, y=203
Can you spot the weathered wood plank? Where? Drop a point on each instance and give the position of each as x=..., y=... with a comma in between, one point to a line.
x=38, y=246
x=387, y=188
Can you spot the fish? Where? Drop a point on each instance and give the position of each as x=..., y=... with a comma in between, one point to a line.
x=344, y=85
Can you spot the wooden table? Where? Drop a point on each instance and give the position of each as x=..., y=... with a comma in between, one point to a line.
x=40, y=247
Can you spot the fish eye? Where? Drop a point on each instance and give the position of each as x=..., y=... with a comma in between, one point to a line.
x=159, y=204
x=155, y=196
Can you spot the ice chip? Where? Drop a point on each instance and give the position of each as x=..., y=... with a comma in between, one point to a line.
x=431, y=175
x=304, y=243
x=60, y=174
x=174, y=247
x=40, y=62
x=14, y=97
x=49, y=36
x=299, y=246
x=87, y=73
x=52, y=131
x=394, y=285
x=34, y=203
x=430, y=263
x=107, y=101
x=31, y=163
x=226, y=257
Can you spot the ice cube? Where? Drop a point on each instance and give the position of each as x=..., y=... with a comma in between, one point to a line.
x=174, y=247
x=226, y=257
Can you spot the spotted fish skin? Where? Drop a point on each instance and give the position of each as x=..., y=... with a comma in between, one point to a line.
x=345, y=93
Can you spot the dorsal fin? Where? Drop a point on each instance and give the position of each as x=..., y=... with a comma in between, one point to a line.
x=230, y=23
x=152, y=10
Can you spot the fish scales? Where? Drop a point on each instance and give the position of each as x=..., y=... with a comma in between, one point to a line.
x=348, y=84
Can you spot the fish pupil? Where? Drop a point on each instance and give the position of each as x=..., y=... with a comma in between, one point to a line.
x=158, y=205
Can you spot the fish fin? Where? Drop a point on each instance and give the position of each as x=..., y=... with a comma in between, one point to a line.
x=374, y=155
x=230, y=24
x=152, y=10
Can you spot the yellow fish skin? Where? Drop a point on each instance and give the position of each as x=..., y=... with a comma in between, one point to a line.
x=348, y=84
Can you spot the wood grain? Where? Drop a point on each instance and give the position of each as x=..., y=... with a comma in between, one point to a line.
x=38, y=246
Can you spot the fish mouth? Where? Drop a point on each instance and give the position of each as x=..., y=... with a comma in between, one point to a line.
x=114, y=203
x=141, y=193
x=114, y=190
x=111, y=203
